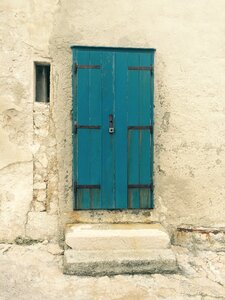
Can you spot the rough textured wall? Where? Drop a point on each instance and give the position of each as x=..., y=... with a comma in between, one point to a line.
x=25, y=31
x=189, y=107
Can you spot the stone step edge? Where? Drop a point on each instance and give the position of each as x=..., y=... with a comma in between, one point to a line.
x=112, y=237
x=115, y=243
x=114, y=226
x=101, y=263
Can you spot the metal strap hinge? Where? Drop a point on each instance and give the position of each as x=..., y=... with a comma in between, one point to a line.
x=76, y=67
x=151, y=128
x=147, y=127
x=141, y=186
x=140, y=68
x=76, y=126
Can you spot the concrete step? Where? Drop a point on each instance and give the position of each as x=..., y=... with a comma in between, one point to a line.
x=116, y=237
x=113, y=262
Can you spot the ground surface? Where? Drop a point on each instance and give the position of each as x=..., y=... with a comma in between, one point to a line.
x=34, y=272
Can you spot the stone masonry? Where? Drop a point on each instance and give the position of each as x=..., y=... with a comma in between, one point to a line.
x=44, y=205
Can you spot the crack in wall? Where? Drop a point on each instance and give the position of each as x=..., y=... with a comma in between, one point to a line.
x=14, y=164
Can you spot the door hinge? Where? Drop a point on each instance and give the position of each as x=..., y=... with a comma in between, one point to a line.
x=152, y=69
x=149, y=127
x=140, y=68
x=141, y=186
x=76, y=67
x=76, y=126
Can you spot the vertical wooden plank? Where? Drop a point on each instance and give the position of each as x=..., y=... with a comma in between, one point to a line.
x=95, y=89
x=83, y=163
x=145, y=162
x=83, y=157
x=94, y=151
x=144, y=198
x=146, y=106
x=144, y=90
x=151, y=195
x=74, y=136
x=107, y=180
x=133, y=90
x=83, y=88
x=78, y=199
x=133, y=120
x=83, y=166
x=88, y=199
x=121, y=103
x=133, y=165
x=144, y=156
x=152, y=122
x=95, y=199
x=95, y=109
x=85, y=201
x=133, y=198
x=89, y=140
x=145, y=112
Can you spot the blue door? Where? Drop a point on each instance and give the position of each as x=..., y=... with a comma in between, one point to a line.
x=112, y=128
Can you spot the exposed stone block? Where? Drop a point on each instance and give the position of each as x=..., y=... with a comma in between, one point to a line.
x=40, y=195
x=42, y=158
x=41, y=225
x=39, y=185
x=201, y=238
x=39, y=206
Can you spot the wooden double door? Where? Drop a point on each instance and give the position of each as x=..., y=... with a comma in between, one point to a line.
x=113, y=128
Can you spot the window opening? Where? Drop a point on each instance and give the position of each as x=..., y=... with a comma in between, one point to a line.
x=42, y=74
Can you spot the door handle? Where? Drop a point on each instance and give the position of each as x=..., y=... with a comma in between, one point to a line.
x=111, y=128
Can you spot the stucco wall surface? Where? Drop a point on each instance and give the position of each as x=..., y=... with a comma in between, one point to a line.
x=189, y=108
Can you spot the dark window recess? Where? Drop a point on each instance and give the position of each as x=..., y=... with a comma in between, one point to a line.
x=42, y=82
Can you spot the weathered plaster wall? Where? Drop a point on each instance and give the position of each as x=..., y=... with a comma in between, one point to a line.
x=25, y=31
x=189, y=107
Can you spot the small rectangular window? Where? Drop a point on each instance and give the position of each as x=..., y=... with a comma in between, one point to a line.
x=42, y=74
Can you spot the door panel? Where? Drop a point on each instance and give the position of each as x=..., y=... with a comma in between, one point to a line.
x=88, y=137
x=121, y=104
x=112, y=170
x=139, y=131
x=139, y=172
x=107, y=166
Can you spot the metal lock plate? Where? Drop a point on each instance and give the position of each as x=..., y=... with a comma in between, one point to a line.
x=111, y=127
